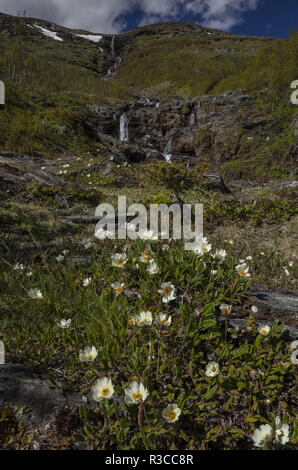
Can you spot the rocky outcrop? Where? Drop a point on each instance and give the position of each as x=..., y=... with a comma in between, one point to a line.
x=19, y=170
x=19, y=387
x=199, y=129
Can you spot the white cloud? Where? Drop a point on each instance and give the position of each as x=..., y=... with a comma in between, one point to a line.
x=221, y=14
x=107, y=16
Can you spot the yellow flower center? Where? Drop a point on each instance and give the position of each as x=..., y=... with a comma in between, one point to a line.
x=213, y=369
x=137, y=396
x=119, y=289
x=171, y=415
x=167, y=291
x=105, y=391
x=242, y=272
x=147, y=258
x=89, y=355
x=120, y=262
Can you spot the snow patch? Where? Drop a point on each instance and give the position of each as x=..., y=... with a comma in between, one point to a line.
x=48, y=33
x=90, y=37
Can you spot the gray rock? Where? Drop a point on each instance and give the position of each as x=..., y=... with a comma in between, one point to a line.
x=19, y=387
x=285, y=185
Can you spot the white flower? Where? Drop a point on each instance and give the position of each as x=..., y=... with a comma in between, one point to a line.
x=264, y=330
x=219, y=255
x=165, y=247
x=135, y=393
x=168, y=292
x=294, y=357
x=59, y=258
x=88, y=354
x=248, y=258
x=213, y=272
x=243, y=270
x=29, y=274
x=225, y=309
x=64, y=323
x=65, y=252
x=254, y=309
x=294, y=345
x=146, y=256
x=171, y=413
x=164, y=320
x=291, y=264
x=201, y=247
x=87, y=281
x=18, y=267
x=35, y=294
x=118, y=287
x=145, y=318
x=281, y=431
x=119, y=260
x=212, y=369
x=152, y=268
x=286, y=271
x=103, y=388
x=262, y=435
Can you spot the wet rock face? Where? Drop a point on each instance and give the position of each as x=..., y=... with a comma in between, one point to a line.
x=203, y=126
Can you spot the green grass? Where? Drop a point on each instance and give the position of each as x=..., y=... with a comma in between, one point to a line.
x=220, y=412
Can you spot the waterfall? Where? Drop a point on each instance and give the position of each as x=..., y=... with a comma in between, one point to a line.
x=124, y=128
x=113, y=46
x=192, y=119
x=167, y=153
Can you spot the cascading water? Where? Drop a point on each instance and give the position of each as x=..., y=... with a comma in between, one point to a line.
x=113, y=46
x=192, y=119
x=123, y=128
x=167, y=153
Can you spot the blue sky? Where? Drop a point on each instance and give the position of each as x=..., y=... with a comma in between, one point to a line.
x=250, y=17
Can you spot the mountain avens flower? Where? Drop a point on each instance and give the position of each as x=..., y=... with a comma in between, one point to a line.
x=281, y=431
x=118, y=287
x=87, y=281
x=146, y=256
x=167, y=290
x=152, y=268
x=201, y=247
x=119, y=260
x=102, y=389
x=35, y=294
x=171, y=413
x=164, y=320
x=135, y=393
x=243, y=270
x=219, y=255
x=225, y=309
x=145, y=318
x=212, y=369
x=262, y=435
x=88, y=354
x=264, y=330
x=64, y=323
